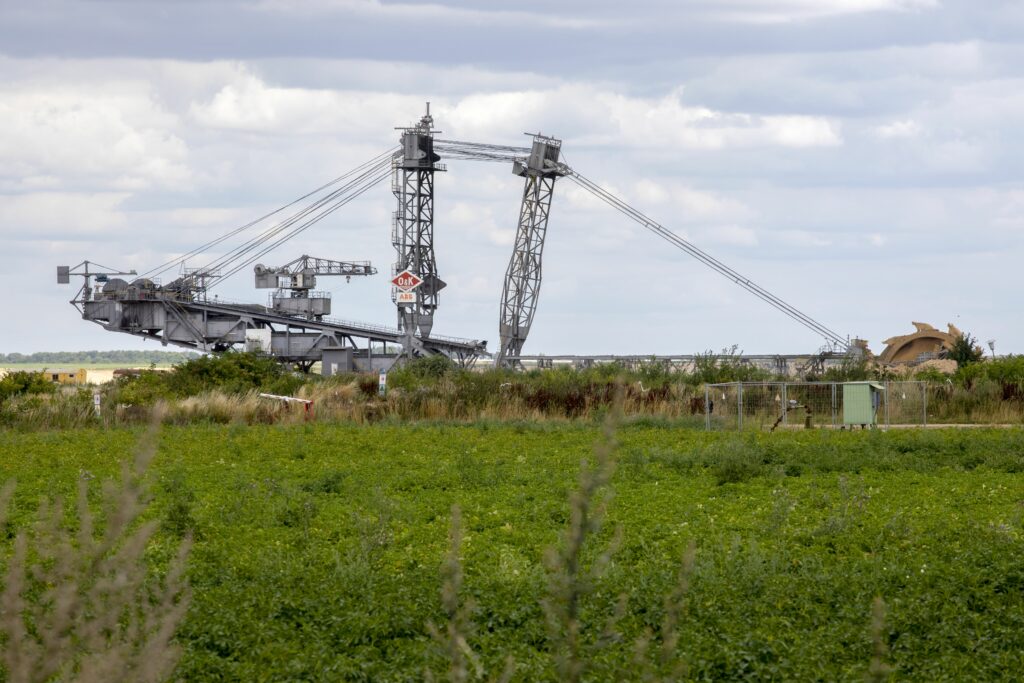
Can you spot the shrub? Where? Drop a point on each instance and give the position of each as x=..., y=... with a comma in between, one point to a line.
x=178, y=519
x=736, y=460
x=709, y=368
x=143, y=389
x=429, y=368
x=21, y=382
x=850, y=370
x=229, y=372
x=965, y=350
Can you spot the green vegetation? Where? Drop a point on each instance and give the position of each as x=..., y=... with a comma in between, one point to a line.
x=966, y=351
x=24, y=383
x=115, y=358
x=79, y=603
x=329, y=552
x=983, y=391
x=231, y=373
x=224, y=389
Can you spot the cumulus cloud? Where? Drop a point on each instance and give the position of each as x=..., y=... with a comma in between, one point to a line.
x=430, y=11
x=733, y=234
x=899, y=129
x=587, y=113
x=62, y=216
x=121, y=137
x=247, y=103
x=803, y=143
x=780, y=11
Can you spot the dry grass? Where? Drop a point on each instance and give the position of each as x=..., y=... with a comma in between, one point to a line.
x=526, y=399
x=570, y=580
x=82, y=605
x=453, y=638
x=878, y=671
x=463, y=663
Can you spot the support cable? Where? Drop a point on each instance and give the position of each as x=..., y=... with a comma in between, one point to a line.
x=164, y=267
x=227, y=260
x=477, y=151
x=832, y=337
x=354, y=192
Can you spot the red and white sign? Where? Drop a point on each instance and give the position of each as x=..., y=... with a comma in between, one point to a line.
x=405, y=297
x=406, y=281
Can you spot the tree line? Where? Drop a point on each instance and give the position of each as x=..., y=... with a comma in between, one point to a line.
x=124, y=356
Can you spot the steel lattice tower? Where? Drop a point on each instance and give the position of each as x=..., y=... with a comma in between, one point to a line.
x=523, y=275
x=413, y=228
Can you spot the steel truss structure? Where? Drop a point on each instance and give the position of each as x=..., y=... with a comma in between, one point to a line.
x=521, y=291
x=413, y=232
x=295, y=327
x=218, y=326
x=296, y=280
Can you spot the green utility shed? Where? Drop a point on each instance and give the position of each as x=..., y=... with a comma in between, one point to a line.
x=860, y=402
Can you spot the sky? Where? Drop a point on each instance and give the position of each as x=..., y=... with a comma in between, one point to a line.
x=860, y=159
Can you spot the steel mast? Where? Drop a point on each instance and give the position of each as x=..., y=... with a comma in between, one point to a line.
x=523, y=276
x=413, y=230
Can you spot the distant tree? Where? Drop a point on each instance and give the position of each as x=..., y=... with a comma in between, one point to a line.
x=17, y=383
x=851, y=369
x=727, y=366
x=430, y=367
x=56, y=358
x=965, y=350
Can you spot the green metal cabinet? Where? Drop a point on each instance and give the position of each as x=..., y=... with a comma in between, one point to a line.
x=861, y=401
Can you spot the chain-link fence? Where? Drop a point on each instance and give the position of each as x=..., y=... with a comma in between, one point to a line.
x=779, y=405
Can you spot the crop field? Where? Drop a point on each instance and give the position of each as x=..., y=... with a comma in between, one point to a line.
x=319, y=550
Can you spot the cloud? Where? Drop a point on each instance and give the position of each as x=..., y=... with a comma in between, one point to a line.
x=586, y=14
x=732, y=234
x=899, y=129
x=587, y=113
x=667, y=121
x=429, y=11
x=803, y=143
x=116, y=135
x=473, y=221
x=249, y=104
x=62, y=216
x=785, y=11
x=802, y=239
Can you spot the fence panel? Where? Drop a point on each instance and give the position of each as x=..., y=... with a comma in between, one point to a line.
x=905, y=403
x=816, y=399
x=764, y=406
x=722, y=407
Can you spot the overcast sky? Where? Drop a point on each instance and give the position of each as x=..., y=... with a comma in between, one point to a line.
x=862, y=159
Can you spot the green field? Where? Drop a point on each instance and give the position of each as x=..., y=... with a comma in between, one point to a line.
x=319, y=547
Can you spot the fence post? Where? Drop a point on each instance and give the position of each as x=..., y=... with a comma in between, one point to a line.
x=886, y=397
x=707, y=409
x=924, y=402
x=785, y=405
x=739, y=405
x=834, y=408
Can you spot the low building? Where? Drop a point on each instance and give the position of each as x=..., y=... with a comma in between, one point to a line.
x=64, y=376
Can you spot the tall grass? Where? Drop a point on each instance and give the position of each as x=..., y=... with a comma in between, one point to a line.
x=879, y=670
x=453, y=638
x=432, y=390
x=570, y=579
x=81, y=604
